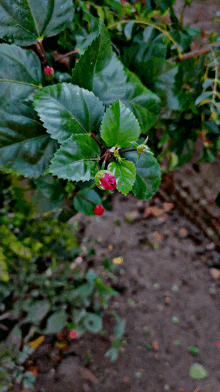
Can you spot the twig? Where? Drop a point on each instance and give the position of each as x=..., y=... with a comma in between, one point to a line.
x=195, y=53
x=40, y=49
x=62, y=56
x=97, y=140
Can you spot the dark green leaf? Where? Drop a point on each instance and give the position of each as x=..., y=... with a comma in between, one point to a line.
x=24, y=147
x=119, y=126
x=148, y=173
x=56, y=322
x=66, y=110
x=100, y=71
x=83, y=205
x=125, y=174
x=37, y=311
x=24, y=22
x=77, y=159
x=49, y=193
x=15, y=337
x=144, y=104
x=92, y=322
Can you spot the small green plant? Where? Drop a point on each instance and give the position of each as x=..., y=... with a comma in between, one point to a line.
x=193, y=350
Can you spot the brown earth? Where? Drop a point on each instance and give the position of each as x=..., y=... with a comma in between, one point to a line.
x=164, y=276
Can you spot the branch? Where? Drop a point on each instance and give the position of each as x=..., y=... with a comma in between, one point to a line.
x=40, y=49
x=62, y=56
x=195, y=53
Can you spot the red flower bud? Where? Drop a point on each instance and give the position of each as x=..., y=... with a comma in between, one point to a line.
x=48, y=71
x=98, y=210
x=108, y=182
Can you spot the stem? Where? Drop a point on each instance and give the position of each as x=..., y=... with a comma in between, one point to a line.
x=42, y=53
x=195, y=53
x=128, y=150
x=62, y=56
x=97, y=140
x=83, y=198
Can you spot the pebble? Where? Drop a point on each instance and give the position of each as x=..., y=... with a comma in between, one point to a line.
x=215, y=273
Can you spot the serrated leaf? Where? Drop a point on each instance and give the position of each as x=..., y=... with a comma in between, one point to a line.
x=197, y=371
x=84, y=206
x=119, y=126
x=37, y=311
x=125, y=174
x=77, y=159
x=66, y=110
x=24, y=22
x=56, y=322
x=141, y=101
x=148, y=173
x=100, y=71
x=92, y=322
x=24, y=147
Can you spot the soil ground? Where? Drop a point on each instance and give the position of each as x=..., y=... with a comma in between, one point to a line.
x=168, y=297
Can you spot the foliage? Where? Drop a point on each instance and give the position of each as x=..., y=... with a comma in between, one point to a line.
x=117, y=74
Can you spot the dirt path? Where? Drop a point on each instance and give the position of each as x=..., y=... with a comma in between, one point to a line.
x=168, y=297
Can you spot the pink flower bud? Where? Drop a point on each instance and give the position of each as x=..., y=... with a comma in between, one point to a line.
x=98, y=210
x=105, y=180
x=73, y=334
x=48, y=71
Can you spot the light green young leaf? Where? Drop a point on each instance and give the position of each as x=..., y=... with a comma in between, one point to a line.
x=197, y=371
x=77, y=159
x=25, y=21
x=24, y=147
x=119, y=126
x=67, y=110
x=125, y=174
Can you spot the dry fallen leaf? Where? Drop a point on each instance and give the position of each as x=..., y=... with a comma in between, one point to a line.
x=88, y=375
x=37, y=342
x=153, y=211
x=118, y=260
x=167, y=206
x=154, y=345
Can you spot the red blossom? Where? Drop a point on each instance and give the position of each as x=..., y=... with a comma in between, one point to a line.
x=108, y=182
x=98, y=209
x=73, y=334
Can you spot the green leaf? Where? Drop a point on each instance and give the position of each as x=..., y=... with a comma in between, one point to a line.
x=24, y=147
x=148, y=174
x=118, y=330
x=125, y=174
x=77, y=159
x=49, y=193
x=141, y=101
x=24, y=22
x=197, y=371
x=100, y=71
x=56, y=322
x=66, y=110
x=15, y=338
x=112, y=353
x=37, y=311
x=83, y=205
x=92, y=322
x=119, y=126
